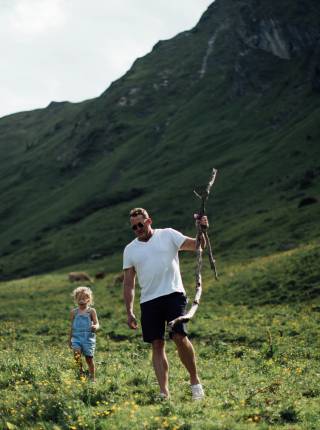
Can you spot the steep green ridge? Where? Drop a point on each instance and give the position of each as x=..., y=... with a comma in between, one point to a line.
x=239, y=92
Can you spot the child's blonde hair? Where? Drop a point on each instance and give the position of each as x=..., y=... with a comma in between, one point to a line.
x=82, y=289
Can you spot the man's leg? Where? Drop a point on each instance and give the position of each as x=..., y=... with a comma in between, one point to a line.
x=160, y=365
x=187, y=356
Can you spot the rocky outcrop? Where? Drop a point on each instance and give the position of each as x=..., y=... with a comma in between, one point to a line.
x=269, y=37
x=282, y=40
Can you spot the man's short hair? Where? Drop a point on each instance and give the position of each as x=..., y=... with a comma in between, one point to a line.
x=139, y=211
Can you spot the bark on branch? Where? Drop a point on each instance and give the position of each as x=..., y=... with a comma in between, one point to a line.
x=201, y=230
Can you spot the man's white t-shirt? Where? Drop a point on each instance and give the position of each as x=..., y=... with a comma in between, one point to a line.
x=156, y=263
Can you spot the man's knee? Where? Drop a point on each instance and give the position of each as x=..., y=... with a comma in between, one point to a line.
x=180, y=339
x=158, y=345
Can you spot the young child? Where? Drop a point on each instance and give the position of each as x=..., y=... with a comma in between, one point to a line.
x=84, y=324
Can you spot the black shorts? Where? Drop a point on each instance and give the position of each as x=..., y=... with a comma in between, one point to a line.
x=157, y=312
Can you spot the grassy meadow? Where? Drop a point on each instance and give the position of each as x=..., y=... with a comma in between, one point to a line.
x=255, y=334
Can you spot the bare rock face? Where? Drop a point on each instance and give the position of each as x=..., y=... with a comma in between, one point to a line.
x=244, y=32
x=269, y=36
x=282, y=39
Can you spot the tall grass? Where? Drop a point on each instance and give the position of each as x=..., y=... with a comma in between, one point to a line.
x=259, y=362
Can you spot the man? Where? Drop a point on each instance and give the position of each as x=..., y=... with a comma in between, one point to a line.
x=153, y=257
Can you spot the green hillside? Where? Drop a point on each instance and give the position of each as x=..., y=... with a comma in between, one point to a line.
x=238, y=92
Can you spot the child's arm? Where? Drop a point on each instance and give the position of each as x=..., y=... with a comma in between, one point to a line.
x=70, y=333
x=95, y=323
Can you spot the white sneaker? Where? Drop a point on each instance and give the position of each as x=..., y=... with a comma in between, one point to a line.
x=197, y=392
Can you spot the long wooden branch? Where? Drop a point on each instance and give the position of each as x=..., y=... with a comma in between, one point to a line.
x=201, y=231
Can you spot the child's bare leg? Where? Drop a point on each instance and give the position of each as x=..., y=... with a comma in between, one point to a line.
x=91, y=366
x=77, y=359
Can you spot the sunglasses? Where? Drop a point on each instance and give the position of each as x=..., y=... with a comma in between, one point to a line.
x=136, y=226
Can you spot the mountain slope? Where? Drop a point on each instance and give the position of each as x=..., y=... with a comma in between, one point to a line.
x=239, y=92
